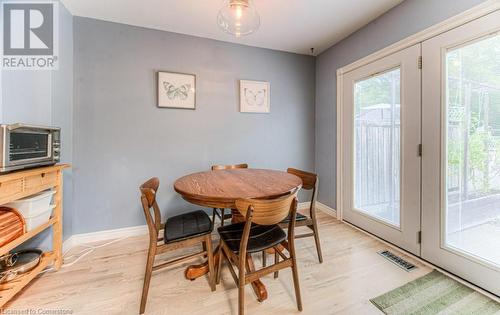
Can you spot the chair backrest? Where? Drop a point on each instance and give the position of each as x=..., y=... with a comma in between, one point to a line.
x=309, y=182
x=148, y=200
x=228, y=167
x=267, y=212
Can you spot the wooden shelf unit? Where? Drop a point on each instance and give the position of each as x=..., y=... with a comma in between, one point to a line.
x=10, y=289
x=26, y=236
x=20, y=184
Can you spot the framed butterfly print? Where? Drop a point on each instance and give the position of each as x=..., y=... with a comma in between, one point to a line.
x=254, y=96
x=176, y=90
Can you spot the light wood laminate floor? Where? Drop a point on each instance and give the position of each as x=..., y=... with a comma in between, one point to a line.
x=109, y=281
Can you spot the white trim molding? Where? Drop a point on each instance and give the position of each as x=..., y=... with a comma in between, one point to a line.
x=320, y=206
x=326, y=209
x=303, y=205
x=85, y=238
x=339, y=152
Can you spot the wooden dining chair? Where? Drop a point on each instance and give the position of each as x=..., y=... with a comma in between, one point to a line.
x=259, y=232
x=179, y=232
x=222, y=216
x=309, y=182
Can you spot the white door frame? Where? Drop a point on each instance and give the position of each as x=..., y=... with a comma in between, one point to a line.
x=404, y=233
x=449, y=24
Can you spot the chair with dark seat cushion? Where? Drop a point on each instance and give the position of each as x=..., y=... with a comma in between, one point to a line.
x=309, y=182
x=187, y=225
x=261, y=236
x=259, y=232
x=180, y=231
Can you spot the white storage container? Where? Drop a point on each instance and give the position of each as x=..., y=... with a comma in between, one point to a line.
x=38, y=217
x=29, y=205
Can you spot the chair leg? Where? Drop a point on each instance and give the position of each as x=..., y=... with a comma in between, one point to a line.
x=210, y=255
x=264, y=256
x=276, y=260
x=222, y=216
x=219, y=267
x=204, y=247
x=147, y=279
x=295, y=273
x=241, y=297
x=214, y=214
x=242, y=263
x=316, y=239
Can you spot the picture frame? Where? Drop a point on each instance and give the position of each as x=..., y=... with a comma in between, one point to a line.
x=255, y=97
x=176, y=90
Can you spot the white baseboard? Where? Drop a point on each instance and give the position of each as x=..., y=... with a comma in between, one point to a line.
x=326, y=209
x=303, y=205
x=68, y=244
x=320, y=206
x=85, y=238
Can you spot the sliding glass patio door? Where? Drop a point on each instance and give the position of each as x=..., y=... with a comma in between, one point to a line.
x=381, y=120
x=461, y=151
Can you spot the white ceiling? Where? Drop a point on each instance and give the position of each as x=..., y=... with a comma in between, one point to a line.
x=289, y=25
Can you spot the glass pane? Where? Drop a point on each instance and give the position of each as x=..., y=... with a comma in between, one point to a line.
x=473, y=149
x=377, y=146
x=28, y=146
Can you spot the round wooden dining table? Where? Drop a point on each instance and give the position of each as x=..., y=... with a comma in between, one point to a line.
x=221, y=189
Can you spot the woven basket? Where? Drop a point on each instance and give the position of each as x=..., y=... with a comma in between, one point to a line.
x=12, y=225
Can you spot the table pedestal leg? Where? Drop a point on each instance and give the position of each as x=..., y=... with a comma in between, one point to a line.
x=195, y=271
x=258, y=287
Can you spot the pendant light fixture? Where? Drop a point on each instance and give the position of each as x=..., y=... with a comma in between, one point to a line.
x=238, y=17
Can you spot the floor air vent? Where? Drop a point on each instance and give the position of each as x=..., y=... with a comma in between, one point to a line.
x=398, y=261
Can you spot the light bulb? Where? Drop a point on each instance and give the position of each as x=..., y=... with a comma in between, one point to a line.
x=239, y=12
x=238, y=17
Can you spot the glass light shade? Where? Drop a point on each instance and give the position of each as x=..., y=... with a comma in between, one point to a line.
x=238, y=17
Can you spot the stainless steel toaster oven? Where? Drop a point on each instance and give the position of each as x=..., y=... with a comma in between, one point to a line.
x=26, y=146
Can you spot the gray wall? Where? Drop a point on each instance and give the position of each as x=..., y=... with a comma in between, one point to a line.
x=404, y=20
x=46, y=98
x=122, y=138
